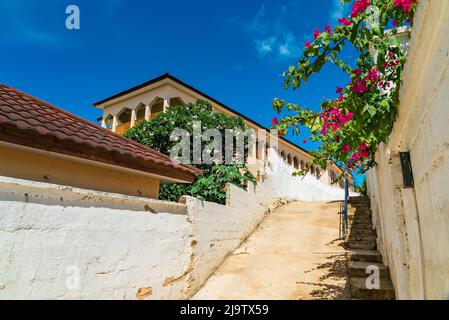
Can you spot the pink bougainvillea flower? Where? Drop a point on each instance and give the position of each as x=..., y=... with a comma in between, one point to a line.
x=281, y=133
x=340, y=98
x=363, y=147
x=359, y=6
x=339, y=89
x=395, y=23
x=360, y=86
x=316, y=34
x=405, y=5
x=373, y=75
x=349, y=115
x=274, y=121
x=328, y=29
x=391, y=54
x=308, y=44
x=304, y=141
x=346, y=148
x=345, y=22
x=357, y=71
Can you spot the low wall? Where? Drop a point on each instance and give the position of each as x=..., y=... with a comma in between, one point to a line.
x=67, y=243
x=297, y=188
x=60, y=242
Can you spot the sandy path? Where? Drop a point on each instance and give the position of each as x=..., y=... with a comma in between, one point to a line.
x=294, y=254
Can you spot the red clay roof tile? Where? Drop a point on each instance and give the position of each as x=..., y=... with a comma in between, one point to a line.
x=22, y=116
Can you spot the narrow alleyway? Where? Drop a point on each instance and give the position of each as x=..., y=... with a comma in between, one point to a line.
x=294, y=254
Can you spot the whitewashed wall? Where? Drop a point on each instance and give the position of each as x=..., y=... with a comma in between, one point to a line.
x=116, y=244
x=413, y=224
x=298, y=188
x=121, y=247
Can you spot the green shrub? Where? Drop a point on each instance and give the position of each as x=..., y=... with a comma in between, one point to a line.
x=211, y=186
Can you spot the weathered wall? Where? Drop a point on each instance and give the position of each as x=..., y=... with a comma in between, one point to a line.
x=218, y=230
x=116, y=244
x=413, y=224
x=121, y=247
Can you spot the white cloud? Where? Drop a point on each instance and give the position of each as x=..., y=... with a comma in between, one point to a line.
x=338, y=11
x=272, y=36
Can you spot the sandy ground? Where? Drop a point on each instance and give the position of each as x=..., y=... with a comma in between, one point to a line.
x=294, y=254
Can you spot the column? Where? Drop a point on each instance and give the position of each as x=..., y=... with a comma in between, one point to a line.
x=147, y=112
x=133, y=118
x=166, y=103
x=114, y=123
x=103, y=122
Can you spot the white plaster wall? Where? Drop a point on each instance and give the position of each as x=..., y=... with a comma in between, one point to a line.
x=414, y=223
x=116, y=243
x=296, y=188
x=126, y=247
x=122, y=247
x=218, y=230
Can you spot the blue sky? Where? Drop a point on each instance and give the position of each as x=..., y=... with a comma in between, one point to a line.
x=233, y=50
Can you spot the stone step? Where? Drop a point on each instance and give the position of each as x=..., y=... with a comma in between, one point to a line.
x=359, y=204
x=361, y=226
x=363, y=238
x=358, y=269
x=364, y=255
x=360, y=291
x=362, y=232
x=365, y=245
x=359, y=219
x=359, y=211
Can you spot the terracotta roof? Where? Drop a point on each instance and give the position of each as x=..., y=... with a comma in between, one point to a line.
x=31, y=122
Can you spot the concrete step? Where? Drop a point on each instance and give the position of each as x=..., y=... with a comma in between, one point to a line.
x=359, y=211
x=362, y=232
x=361, y=226
x=363, y=238
x=360, y=206
x=365, y=245
x=359, y=219
x=364, y=255
x=359, y=214
x=357, y=269
x=359, y=290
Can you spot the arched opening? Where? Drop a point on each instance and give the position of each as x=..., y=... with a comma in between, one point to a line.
x=303, y=164
x=156, y=107
x=289, y=159
x=312, y=170
x=317, y=173
x=295, y=162
x=283, y=156
x=108, y=121
x=140, y=113
x=124, y=116
x=176, y=102
x=123, y=121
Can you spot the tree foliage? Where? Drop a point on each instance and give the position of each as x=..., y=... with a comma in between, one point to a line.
x=350, y=127
x=211, y=186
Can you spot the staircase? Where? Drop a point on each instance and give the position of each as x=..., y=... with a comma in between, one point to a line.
x=362, y=255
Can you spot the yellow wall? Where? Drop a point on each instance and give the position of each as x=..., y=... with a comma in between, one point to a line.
x=27, y=164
